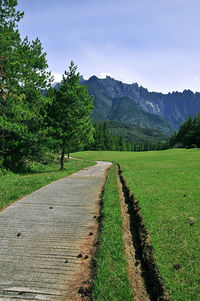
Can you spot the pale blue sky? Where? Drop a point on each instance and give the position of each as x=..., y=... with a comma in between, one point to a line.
x=153, y=42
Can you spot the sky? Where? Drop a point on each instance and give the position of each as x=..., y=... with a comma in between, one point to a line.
x=152, y=42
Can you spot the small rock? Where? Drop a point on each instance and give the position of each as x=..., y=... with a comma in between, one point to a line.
x=177, y=266
x=191, y=220
x=84, y=291
x=81, y=290
x=20, y=293
x=137, y=263
x=97, y=243
x=86, y=282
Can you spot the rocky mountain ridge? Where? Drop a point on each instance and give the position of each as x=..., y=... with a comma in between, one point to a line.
x=111, y=99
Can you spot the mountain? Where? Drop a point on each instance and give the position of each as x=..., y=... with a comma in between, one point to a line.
x=125, y=110
x=133, y=104
x=111, y=104
x=125, y=118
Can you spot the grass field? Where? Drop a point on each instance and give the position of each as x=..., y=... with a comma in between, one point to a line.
x=14, y=186
x=167, y=185
x=111, y=281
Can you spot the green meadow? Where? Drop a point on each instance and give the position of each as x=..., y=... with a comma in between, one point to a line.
x=167, y=185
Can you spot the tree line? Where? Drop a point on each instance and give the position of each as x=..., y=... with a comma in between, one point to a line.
x=188, y=135
x=104, y=140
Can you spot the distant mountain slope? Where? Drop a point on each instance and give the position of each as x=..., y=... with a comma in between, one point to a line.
x=173, y=107
x=122, y=109
x=126, y=110
x=135, y=133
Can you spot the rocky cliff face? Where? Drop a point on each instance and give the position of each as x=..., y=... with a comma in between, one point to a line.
x=174, y=107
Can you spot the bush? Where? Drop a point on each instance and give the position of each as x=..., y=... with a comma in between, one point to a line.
x=3, y=171
x=191, y=146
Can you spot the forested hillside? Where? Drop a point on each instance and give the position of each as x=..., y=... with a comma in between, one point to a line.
x=135, y=133
x=119, y=137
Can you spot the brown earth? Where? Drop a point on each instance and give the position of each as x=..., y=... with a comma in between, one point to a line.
x=133, y=265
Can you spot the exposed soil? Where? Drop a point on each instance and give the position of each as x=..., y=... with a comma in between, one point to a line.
x=144, y=275
x=133, y=263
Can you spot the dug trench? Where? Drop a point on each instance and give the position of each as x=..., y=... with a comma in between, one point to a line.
x=144, y=275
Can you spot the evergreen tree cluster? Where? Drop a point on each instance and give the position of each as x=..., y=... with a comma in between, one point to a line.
x=33, y=123
x=23, y=74
x=188, y=135
x=151, y=146
x=104, y=140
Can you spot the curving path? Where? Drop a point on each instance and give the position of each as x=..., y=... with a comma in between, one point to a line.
x=43, y=235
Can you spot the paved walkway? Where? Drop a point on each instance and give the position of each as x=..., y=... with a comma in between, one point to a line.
x=42, y=235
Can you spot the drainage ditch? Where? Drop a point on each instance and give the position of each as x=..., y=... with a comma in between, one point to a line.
x=143, y=249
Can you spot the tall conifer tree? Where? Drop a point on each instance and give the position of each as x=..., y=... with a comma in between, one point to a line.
x=22, y=77
x=69, y=114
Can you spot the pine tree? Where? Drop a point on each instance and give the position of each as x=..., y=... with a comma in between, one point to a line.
x=107, y=136
x=196, y=129
x=122, y=143
x=22, y=76
x=69, y=114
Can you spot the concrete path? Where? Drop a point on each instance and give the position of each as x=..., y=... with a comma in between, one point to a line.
x=43, y=235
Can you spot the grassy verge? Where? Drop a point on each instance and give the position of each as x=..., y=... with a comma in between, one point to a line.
x=14, y=186
x=167, y=185
x=111, y=282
